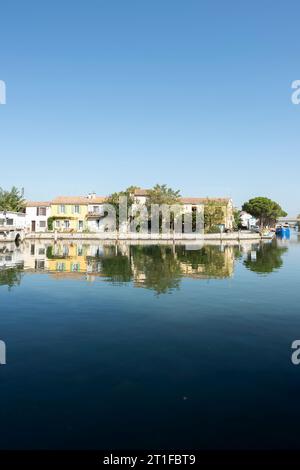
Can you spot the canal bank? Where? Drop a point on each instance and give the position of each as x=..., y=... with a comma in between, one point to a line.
x=116, y=236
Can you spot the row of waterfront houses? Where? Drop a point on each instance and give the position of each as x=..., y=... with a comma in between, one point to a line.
x=86, y=213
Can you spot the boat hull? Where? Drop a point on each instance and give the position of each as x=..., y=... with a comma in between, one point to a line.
x=283, y=232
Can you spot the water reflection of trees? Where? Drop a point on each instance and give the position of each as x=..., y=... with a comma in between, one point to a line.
x=268, y=258
x=11, y=276
x=116, y=268
x=161, y=267
x=155, y=267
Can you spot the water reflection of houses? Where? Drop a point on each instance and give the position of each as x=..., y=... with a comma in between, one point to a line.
x=157, y=267
x=35, y=255
x=219, y=263
x=70, y=258
x=11, y=256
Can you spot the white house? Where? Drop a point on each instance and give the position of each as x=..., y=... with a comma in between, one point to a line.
x=99, y=217
x=11, y=225
x=247, y=220
x=9, y=219
x=37, y=214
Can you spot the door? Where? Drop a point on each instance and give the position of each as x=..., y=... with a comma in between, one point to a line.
x=33, y=225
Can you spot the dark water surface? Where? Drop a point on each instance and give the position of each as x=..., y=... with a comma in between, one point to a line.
x=150, y=346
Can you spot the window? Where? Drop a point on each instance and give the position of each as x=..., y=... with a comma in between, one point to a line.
x=41, y=211
x=62, y=209
x=67, y=223
x=65, y=250
x=9, y=221
x=57, y=223
x=60, y=266
x=2, y=221
x=77, y=209
x=75, y=267
x=39, y=264
x=80, y=225
x=42, y=223
x=41, y=251
x=96, y=209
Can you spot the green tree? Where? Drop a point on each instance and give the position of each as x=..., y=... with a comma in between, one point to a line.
x=114, y=198
x=213, y=216
x=237, y=222
x=50, y=223
x=161, y=194
x=265, y=210
x=12, y=200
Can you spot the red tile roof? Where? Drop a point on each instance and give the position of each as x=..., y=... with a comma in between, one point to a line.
x=84, y=200
x=79, y=200
x=141, y=192
x=204, y=200
x=37, y=204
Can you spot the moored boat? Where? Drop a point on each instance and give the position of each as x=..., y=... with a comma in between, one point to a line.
x=283, y=231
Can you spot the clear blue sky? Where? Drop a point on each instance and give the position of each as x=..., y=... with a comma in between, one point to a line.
x=195, y=94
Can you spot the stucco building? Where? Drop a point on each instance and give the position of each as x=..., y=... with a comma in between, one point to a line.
x=37, y=214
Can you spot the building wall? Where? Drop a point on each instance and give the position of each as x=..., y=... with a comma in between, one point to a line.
x=227, y=208
x=93, y=208
x=40, y=220
x=73, y=217
x=15, y=219
x=140, y=199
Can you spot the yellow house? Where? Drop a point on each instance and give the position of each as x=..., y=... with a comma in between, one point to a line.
x=69, y=213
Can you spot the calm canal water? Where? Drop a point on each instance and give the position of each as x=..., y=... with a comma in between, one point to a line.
x=150, y=346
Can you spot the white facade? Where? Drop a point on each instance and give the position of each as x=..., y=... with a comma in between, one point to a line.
x=100, y=218
x=247, y=220
x=37, y=215
x=12, y=219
